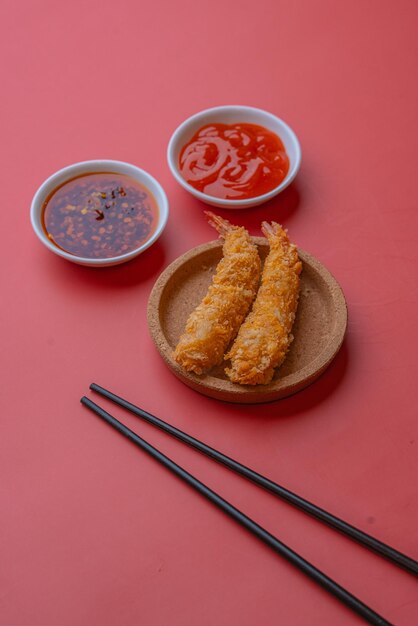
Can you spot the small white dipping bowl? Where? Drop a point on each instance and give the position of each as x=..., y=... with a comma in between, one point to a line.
x=98, y=166
x=234, y=115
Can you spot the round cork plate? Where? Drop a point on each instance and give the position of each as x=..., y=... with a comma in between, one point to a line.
x=319, y=327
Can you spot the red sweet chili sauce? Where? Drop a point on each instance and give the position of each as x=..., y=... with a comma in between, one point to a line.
x=100, y=215
x=234, y=161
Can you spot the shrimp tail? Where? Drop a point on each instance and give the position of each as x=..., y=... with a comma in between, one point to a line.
x=275, y=233
x=268, y=229
x=219, y=223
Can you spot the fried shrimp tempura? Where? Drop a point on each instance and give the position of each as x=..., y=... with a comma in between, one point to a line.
x=265, y=336
x=216, y=320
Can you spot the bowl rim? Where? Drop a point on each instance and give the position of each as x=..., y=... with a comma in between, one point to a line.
x=74, y=169
x=225, y=202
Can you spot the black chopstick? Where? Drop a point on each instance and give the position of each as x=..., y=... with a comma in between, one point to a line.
x=354, y=533
x=322, y=579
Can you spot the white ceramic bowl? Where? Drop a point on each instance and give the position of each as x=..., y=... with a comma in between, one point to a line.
x=233, y=115
x=85, y=167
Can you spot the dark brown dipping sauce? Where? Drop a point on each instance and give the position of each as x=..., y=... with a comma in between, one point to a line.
x=100, y=215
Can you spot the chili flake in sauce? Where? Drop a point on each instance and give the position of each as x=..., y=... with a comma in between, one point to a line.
x=100, y=215
x=234, y=161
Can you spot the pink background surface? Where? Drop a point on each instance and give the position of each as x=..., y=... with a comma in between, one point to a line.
x=91, y=530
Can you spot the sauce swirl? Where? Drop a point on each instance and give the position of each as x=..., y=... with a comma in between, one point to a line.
x=100, y=215
x=234, y=161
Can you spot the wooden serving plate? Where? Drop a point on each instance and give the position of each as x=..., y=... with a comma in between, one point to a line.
x=319, y=327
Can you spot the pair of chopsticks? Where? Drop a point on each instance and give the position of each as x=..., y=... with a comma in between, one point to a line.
x=354, y=533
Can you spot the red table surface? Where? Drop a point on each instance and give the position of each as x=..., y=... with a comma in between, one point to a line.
x=92, y=531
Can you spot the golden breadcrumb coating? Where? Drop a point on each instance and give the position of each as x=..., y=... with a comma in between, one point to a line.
x=265, y=336
x=216, y=320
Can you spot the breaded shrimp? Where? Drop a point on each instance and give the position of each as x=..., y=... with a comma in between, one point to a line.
x=216, y=320
x=265, y=336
